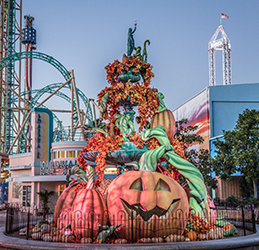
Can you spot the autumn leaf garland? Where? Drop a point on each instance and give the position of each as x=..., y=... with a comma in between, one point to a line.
x=105, y=144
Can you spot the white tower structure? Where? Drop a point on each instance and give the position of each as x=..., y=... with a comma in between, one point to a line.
x=223, y=44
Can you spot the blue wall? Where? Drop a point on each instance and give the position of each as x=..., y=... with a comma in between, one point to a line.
x=227, y=102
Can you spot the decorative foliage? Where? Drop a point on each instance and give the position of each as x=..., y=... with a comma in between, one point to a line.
x=197, y=224
x=132, y=94
x=103, y=144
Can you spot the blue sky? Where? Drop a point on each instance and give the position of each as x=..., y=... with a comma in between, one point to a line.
x=87, y=35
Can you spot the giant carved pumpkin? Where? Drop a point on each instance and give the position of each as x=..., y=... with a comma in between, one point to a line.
x=158, y=204
x=166, y=119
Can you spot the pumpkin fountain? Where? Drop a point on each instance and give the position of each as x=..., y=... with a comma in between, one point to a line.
x=145, y=201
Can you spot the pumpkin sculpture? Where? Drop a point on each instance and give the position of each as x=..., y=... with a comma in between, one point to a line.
x=88, y=210
x=210, y=211
x=158, y=204
x=67, y=197
x=64, y=201
x=164, y=117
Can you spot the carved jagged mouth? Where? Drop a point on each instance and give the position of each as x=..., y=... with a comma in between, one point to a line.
x=137, y=209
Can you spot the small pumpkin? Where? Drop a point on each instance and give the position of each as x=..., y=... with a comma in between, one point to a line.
x=192, y=235
x=213, y=235
x=86, y=240
x=229, y=226
x=157, y=239
x=124, y=59
x=145, y=240
x=175, y=238
x=167, y=120
x=120, y=241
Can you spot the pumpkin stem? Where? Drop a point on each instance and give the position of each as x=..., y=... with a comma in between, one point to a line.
x=76, y=174
x=90, y=175
x=161, y=106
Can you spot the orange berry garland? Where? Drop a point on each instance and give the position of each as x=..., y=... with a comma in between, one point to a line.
x=105, y=144
x=135, y=94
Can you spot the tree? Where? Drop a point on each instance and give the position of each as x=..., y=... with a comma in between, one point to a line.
x=44, y=198
x=239, y=149
x=187, y=136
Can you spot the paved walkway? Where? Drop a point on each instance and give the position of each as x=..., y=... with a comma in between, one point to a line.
x=250, y=242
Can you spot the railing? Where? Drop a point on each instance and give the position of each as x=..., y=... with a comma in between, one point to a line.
x=133, y=227
x=66, y=134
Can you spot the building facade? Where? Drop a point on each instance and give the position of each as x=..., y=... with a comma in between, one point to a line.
x=214, y=109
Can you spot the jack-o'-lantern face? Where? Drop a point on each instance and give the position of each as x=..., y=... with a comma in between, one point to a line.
x=153, y=199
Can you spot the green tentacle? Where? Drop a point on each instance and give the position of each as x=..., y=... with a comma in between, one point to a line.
x=100, y=130
x=148, y=160
x=189, y=171
x=125, y=125
x=134, y=164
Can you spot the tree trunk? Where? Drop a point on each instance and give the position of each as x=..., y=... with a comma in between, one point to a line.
x=255, y=189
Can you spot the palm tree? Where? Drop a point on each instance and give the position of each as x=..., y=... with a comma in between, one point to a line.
x=44, y=198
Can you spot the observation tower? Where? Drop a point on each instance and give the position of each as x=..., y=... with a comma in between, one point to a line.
x=223, y=44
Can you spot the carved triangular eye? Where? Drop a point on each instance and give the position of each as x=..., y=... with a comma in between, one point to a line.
x=162, y=185
x=137, y=184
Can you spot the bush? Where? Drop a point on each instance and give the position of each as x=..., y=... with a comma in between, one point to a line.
x=232, y=201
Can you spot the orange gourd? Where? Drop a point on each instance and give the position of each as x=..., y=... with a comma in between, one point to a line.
x=64, y=201
x=154, y=200
x=124, y=59
x=229, y=226
x=85, y=209
x=166, y=119
x=88, y=211
x=192, y=235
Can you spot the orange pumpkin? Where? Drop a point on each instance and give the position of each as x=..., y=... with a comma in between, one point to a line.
x=210, y=211
x=124, y=59
x=192, y=235
x=64, y=201
x=88, y=211
x=229, y=226
x=166, y=119
x=154, y=199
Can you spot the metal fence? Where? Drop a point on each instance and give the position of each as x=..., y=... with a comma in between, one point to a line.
x=133, y=227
